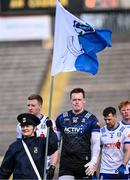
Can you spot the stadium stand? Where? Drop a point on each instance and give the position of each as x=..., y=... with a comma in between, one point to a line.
x=23, y=66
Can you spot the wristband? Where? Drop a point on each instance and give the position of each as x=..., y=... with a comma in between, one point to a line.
x=52, y=167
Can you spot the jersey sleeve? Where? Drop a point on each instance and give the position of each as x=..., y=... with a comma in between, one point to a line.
x=95, y=140
x=95, y=124
x=53, y=142
x=58, y=127
x=58, y=123
x=127, y=135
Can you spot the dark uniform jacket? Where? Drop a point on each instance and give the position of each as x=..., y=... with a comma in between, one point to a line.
x=17, y=162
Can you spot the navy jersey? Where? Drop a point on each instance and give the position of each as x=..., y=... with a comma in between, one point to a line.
x=76, y=136
x=17, y=162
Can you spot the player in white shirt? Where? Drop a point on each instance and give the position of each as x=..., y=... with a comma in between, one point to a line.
x=115, y=142
x=34, y=105
x=124, y=108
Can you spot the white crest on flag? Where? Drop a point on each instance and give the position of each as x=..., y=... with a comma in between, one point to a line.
x=66, y=43
x=76, y=44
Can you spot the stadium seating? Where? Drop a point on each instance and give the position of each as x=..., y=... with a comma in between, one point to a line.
x=23, y=67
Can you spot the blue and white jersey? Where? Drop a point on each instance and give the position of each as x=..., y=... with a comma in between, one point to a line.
x=112, y=142
x=76, y=136
x=123, y=123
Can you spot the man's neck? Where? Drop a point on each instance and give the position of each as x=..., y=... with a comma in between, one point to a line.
x=78, y=112
x=114, y=127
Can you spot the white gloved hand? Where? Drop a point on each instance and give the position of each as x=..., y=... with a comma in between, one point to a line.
x=90, y=168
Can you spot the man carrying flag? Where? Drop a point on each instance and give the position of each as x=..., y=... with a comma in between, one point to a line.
x=76, y=45
x=80, y=133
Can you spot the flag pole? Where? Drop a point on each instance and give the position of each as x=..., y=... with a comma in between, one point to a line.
x=51, y=95
x=48, y=129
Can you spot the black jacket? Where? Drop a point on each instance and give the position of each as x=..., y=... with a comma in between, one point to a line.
x=17, y=162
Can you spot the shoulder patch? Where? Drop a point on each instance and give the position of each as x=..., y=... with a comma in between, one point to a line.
x=103, y=130
x=122, y=129
x=88, y=115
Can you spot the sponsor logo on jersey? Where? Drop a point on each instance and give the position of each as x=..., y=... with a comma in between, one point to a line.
x=73, y=130
x=66, y=119
x=116, y=145
x=42, y=134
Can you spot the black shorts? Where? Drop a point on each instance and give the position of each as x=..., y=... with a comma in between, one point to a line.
x=77, y=171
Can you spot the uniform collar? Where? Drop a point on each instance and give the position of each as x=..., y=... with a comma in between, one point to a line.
x=112, y=129
x=78, y=113
x=125, y=123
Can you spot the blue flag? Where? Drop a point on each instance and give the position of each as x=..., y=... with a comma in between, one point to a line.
x=76, y=43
